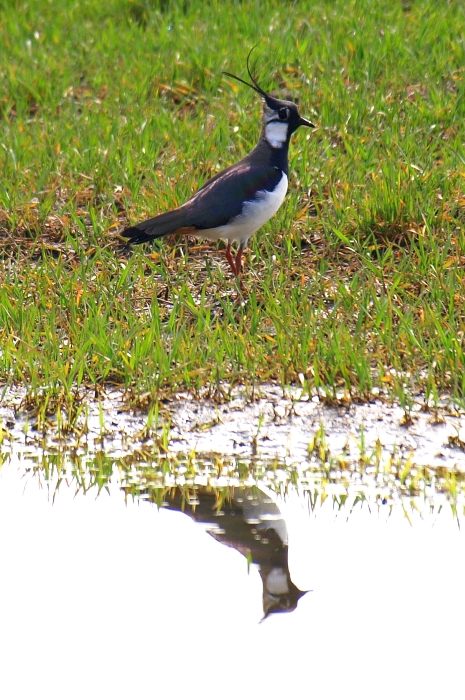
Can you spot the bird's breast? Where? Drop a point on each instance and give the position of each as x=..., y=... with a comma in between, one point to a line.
x=264, y=205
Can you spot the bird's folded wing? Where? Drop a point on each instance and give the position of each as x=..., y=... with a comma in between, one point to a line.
x=221, y=199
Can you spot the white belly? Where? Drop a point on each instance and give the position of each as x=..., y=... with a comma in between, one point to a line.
x=254, y=214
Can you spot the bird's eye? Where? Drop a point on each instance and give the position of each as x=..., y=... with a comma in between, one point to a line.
x=283, y=113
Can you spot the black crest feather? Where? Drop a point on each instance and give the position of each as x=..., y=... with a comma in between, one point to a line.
x=254, y=85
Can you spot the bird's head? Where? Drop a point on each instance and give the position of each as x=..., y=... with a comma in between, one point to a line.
x=281, y=117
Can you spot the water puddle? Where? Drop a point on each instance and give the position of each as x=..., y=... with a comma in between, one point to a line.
x=134, y=581
x=267, y=546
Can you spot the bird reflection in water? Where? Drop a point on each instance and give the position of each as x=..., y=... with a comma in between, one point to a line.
x=246, y=519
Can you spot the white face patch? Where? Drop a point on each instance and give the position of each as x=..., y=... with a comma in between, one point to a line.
x=276, y=582
x=276, y=132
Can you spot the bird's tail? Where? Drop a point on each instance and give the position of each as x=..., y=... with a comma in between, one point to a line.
x=159, y=226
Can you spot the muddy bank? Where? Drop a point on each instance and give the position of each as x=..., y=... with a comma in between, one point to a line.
x=288, y=426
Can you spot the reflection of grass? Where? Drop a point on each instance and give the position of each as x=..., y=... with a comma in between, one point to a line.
x=371, y=477
x=111, y=112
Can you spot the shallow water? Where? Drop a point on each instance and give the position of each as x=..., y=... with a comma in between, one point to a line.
x=274, y=547
x=104, y=594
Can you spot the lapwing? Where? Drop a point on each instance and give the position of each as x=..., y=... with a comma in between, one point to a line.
x=236, y=202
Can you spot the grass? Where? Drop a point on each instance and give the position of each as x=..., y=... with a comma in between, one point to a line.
x=111, y=112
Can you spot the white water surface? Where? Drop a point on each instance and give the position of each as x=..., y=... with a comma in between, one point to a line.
x=106, y=598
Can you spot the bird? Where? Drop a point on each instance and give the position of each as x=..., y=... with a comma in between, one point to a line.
x=239, y=200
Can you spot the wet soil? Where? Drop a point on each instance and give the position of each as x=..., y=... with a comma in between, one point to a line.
x=273, y=424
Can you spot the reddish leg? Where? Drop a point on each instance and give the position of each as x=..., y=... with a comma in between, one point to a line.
x=230, y=259
x=238, y=261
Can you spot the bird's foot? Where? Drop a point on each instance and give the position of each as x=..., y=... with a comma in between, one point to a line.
x=230, y=259
x=238, y=262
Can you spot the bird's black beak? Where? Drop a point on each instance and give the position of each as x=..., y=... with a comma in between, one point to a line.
x=305, y=122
